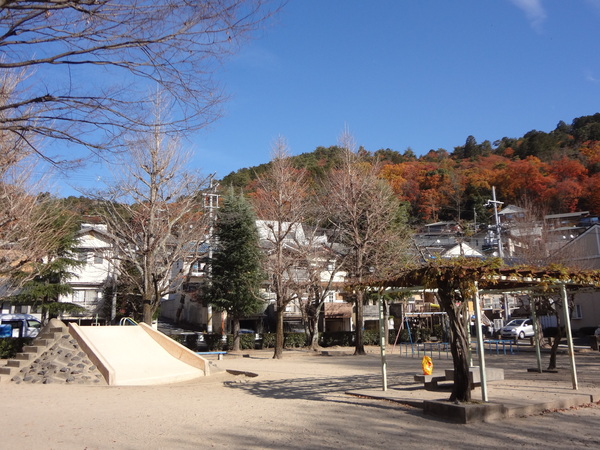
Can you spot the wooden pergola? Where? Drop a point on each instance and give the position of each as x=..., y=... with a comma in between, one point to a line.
x=484, y=278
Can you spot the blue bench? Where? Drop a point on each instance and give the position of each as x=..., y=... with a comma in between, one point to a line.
x=219, y=354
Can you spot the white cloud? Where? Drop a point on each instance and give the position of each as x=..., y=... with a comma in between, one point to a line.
x=589, y=76
x=534, y=11
x=594, y=4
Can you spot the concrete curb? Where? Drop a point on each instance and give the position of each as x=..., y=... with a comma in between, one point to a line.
x=475, y=411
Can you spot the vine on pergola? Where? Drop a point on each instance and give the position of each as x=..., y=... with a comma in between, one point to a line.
x=457, y=280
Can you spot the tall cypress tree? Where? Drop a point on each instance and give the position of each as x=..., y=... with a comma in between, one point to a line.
x=236, y=266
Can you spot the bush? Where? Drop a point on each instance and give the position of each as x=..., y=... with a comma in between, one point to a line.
x=247, y=341
x=268, y=340
x=333, y=338
x=423, y=334
x=440, y=333
x=404, y=336
x=9, y=347
x=371, y=337
x=294, y=340
x=214, y=342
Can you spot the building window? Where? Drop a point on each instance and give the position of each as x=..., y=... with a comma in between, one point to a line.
x=91, y=297
x=82, y=256
x=577, y=312
x=85, y=297
x=98, y=259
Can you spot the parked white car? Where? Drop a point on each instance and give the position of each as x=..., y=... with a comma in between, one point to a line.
x=517, y=329
x=19, y=325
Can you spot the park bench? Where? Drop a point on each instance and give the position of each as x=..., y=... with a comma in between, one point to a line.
x=218, y=354
x=491, y=374
x=430, y=382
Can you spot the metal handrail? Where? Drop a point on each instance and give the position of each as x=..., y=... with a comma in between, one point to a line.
x=127, y=321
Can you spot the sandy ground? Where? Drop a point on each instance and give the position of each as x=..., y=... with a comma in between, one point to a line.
x=297, y=402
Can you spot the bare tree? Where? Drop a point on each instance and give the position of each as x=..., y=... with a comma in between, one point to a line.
x=280, y=200
x=31, y=224
x=154, y=214
x=364, y=210
x=322, y=261
x=89, y=64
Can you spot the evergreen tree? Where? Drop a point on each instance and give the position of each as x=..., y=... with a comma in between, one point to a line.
x=236, y=264
x=52, y=273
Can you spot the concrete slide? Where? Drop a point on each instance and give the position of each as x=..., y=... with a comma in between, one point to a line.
x=138, y=355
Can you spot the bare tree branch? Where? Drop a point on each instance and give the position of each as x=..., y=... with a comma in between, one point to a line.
x=154, y=213
x=91, y=63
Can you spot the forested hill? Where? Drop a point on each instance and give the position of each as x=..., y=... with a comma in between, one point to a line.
x=558, y=171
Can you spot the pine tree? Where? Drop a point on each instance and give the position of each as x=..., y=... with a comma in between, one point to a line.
x=236, y=265
x=53, y=273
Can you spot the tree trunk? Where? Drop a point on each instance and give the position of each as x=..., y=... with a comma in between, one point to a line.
x=459, y=344
x=236, y=334
x=313, y=331
x=359, y=348
x=279, y=336
x=148, y=312
x=313, y=325
x=180, y=309
x=554, y=349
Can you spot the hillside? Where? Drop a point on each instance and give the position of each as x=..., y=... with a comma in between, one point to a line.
x=558, y=171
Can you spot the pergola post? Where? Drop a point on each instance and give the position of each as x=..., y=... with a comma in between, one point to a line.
x=563, y=292
x=482, y=372
x=382, y=342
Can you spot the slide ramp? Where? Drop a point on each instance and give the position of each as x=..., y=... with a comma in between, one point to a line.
x=138, y=355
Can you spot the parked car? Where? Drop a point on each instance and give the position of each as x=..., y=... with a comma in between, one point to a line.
x=517, y=329
x=247, y=331
x=19, y=325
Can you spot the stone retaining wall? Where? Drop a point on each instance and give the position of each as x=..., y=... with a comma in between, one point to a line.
x=62, y=362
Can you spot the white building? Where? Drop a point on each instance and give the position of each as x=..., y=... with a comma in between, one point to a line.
x=94, y=248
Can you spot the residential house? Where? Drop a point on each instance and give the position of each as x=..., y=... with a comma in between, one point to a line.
x=583, y=252
x=95, y=250
x=188, y=306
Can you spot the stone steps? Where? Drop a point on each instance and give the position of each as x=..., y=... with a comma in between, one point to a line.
x=53, y=357
x=45, y=339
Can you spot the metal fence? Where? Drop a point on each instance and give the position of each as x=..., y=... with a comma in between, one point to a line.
x=418, y=350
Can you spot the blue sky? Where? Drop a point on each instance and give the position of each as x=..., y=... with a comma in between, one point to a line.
x=399, y=74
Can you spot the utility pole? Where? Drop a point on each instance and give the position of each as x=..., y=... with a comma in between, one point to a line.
x=211, y=202
x=495, y=204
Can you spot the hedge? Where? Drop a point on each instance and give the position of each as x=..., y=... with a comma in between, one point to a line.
x=9, y=347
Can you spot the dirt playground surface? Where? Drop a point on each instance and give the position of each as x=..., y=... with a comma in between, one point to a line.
x=297, y=402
